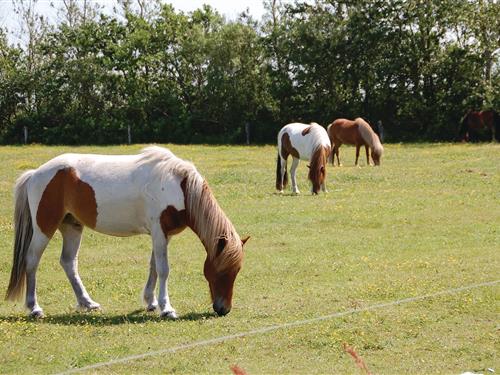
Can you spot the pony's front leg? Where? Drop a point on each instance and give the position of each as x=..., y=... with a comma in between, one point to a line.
x=336, y=151
x=367, y=155
x=149, y=289
x=293, y=173
x=160, y=252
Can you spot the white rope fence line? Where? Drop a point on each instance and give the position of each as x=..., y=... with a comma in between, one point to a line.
x=275, y=327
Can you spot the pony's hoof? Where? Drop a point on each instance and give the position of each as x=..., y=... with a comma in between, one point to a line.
x=151, y=307
x=168, y=315
x=37, y=314
x=89, y=306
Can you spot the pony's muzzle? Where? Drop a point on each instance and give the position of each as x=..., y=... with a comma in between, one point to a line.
x=220, y=308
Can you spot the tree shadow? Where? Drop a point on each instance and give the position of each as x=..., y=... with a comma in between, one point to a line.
x=100, y=319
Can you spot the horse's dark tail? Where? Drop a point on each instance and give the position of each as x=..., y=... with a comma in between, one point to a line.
x=496, y=125
x=23, y=232
x=463, y=128
x=280, y=185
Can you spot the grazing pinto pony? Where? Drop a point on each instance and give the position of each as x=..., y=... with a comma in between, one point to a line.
x=358, y=133
x=306, y=142
x=474, y=122
x=152, y=193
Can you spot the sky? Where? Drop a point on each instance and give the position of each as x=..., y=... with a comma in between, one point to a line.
x=229, y=8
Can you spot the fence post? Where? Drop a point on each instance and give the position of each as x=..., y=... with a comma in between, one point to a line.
x=247, y=131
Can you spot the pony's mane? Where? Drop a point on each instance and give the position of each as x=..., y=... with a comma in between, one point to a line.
x=164, y=161
x=204, y=214
x=369, y=136
x=318, y=159
x=210, y=223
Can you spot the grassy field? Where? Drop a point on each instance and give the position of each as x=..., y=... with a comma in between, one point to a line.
x=426, y=221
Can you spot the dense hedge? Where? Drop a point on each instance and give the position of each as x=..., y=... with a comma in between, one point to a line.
x=416, y=65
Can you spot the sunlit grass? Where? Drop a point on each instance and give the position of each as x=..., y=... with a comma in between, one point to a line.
x=427, y=220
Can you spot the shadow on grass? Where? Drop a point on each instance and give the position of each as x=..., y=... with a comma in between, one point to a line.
x=100, y=319
x=290, y=194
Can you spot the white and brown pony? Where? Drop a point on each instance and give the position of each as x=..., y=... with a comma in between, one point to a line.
x=358, y=133
x=152, y=193
x=306, y=142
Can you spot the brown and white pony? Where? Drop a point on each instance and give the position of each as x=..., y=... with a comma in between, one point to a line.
x=153, y=193
x=474, y=123
x=358, y=133
x=306, y=142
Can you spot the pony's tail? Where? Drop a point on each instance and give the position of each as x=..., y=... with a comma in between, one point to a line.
x=23, y=232
x=280, y=185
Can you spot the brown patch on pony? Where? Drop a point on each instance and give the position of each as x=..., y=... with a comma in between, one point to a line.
x=345, y=131
x=306, y=130
x=172, y=221
x=287, y=148
x=64, y=194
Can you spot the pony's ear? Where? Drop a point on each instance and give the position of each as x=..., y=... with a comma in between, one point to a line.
x=244, y=240
x=221, y=244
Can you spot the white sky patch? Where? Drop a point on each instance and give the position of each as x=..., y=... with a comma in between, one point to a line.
x=230, y=9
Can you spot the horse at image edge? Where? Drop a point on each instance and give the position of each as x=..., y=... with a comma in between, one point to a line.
x=474, y=122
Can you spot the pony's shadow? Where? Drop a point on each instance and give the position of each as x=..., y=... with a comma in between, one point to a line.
x=100, y=319
x=290, y=194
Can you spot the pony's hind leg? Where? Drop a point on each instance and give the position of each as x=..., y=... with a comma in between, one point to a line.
x=293, y=174
x=284, y=177
x=149, y=289
x=35, y=250
x=72, y=235
x=336, y=152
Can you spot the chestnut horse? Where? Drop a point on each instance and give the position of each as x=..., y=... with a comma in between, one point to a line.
x=474, y=122
x=358, y=133
x=153, y=193
x=306, y=142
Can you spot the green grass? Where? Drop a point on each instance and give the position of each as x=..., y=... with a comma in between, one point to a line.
x=427, y=220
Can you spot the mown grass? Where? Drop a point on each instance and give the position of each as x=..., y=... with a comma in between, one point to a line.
x=427, y=220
